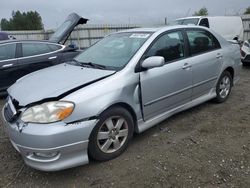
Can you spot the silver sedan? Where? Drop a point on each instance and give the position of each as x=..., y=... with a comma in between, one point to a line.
x=60, y=116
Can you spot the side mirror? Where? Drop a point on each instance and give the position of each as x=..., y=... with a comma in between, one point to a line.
x=152, y=62
x=70, y=48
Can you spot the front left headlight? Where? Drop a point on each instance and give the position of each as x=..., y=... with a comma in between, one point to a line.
x=48, y=112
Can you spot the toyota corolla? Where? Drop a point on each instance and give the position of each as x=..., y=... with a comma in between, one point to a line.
x=129, y=81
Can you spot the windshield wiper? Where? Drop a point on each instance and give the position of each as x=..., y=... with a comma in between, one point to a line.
x=93, y=65
x=90, y=64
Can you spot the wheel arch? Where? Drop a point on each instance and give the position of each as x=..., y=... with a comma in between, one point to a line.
x=230, y=70
x=129, y=109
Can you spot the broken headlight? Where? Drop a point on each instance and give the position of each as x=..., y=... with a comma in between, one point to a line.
x=48, y=112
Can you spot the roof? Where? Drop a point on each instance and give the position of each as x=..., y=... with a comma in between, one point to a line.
x=16, y=41
x=192, y=17
x=141, y=29
x=155, y=29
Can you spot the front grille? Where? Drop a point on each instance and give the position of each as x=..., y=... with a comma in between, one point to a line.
x=8, y=113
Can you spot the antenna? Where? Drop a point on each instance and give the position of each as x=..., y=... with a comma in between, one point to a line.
x=188, y=12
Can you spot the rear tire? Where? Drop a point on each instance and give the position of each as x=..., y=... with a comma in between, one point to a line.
x=223, y=87
x=111, y=136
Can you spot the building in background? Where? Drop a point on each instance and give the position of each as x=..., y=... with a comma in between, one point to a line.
x=246, y=25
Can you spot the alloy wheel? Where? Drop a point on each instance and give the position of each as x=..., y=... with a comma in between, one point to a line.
x=112, y=134
x=225, y=86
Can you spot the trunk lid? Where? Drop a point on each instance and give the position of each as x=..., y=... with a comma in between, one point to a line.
x=63, y=32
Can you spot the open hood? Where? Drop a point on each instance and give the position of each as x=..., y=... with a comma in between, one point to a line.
x=63, y=32
x=54, y=82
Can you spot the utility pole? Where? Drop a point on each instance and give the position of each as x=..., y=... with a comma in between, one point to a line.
x=188, y=12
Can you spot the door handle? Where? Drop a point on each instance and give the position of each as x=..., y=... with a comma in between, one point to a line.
x=218, y=56
x=54, y=57
x=7, y=65
x=186, y=66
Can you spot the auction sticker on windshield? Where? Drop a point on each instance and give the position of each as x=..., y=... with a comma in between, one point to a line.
x=139, y=35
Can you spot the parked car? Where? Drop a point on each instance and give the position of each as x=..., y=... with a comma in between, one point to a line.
x=21, y=57
x=230, y=27
x=5, y=36
x=128, y=82
x=245, y=53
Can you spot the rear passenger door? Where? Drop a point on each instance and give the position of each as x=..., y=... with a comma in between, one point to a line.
x=38, y=55
x=205, y=57
x=8, y=65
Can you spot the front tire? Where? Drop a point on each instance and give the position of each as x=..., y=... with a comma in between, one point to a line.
x=111, y=136
x=223, y=87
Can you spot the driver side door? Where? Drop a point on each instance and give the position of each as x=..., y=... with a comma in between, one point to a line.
x=170, y=86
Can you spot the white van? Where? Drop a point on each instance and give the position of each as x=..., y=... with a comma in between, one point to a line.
x=230, y=27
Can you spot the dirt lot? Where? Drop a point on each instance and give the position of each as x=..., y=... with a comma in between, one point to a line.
x=207, y=146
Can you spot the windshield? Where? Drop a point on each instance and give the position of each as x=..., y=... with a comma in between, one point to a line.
x=114, y=51
x=190, y=21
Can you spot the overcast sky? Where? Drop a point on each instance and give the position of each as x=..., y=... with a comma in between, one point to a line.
x=53, y=12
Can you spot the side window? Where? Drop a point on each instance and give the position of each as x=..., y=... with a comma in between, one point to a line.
x=30, y=49
x=246, y=45
x=7, y=51
x=204, y=22
x=201, y=41
x=170, y=46
x=54, y=47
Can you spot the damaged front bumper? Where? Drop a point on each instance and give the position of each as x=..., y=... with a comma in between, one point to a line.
x=51, y=147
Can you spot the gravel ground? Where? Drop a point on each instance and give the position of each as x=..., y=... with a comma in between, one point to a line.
x=206, y=146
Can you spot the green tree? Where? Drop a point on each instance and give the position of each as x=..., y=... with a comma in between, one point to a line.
x=247, y=10
x=4, y=23
x=202, y=12
x=22, y=21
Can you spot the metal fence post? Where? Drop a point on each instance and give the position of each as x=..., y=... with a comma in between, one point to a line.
x=89, y=36
x=78, y=37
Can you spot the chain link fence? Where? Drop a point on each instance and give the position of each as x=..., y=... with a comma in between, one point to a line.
x=86, y=35
x=82, y=36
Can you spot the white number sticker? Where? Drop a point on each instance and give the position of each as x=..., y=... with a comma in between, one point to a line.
x=139, y=35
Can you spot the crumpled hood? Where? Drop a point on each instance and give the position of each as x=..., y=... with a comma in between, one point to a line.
x=53, y=82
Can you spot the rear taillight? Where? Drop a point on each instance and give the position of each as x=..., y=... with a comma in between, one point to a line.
x=243, y=54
